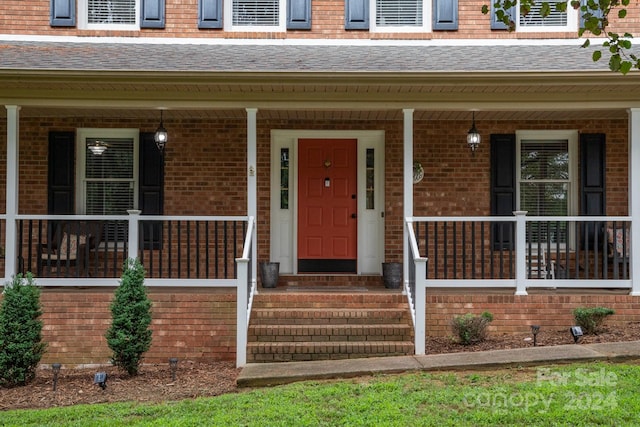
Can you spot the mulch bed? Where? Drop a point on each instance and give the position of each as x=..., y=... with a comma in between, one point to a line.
x=155, y=382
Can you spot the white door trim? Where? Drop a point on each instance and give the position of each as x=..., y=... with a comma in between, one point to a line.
x=283, y=230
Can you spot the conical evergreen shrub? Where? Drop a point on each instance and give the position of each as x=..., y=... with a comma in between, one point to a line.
x=129, y=335
x=21, y=346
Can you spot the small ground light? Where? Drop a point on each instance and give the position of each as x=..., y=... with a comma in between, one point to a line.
x=173, y=364
x=101, y=379
x=534, y=330
x=576, y=333
x=55, y=367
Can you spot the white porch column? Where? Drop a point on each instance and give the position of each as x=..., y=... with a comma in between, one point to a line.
x=10, y=243
x=521, y=250
x=134, y=226
x=408, y=187
x=252, y=184
x=634, y=198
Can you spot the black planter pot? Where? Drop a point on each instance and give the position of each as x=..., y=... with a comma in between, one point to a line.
x=269, y=273
x=392, y=275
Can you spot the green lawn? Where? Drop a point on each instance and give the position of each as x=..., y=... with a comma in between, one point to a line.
x=576, y=395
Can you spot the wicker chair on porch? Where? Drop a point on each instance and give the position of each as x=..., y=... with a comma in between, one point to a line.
x=71, y=244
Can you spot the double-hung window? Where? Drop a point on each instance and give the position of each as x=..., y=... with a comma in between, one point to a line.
x=109, y=14
x=554, y=21
x=107, y=182
x=255, y=15
x=400, y=15
x=547, y=181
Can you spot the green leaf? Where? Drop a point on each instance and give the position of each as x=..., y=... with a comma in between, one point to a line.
x=586, y=43
x=625, y=67
x=485, y=9
x=596, y=56
x=622, y=13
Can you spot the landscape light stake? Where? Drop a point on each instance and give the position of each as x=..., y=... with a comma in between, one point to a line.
x=173, y=364
x=534, y=330
x=56, y=370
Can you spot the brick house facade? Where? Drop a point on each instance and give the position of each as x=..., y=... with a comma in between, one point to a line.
x=417, y=89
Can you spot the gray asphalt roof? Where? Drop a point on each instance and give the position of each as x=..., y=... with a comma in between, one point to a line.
x=32, y=55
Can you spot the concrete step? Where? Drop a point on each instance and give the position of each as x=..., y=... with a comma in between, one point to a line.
x=300, y=351
x=331, y=333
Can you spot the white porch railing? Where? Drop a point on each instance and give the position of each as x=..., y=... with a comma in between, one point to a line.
x=180, y=251
x=518, y=252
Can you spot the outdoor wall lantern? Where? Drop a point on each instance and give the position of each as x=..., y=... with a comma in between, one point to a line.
x=576, y=333
x=173, y=364
x=161, y=135
x=97, y=147
x=55, y=367
x=473, y=136
x=101, y=379
x=534, y=330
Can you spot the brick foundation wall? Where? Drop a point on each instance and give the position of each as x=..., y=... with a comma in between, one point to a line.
x=192, y=324
x=515, y=314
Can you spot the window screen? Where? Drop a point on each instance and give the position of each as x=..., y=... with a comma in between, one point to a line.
x=256, y=12
x=544, y=185
x=398, y=13
x=109, y=178
x=534, y=19
x=112, y=12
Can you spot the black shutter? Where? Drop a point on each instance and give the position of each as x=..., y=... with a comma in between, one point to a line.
x=151, y=189
x=503, y=187
x=62, y=13
x=299, y=15
x=356, y=14
x=61, y=177
x=592, y=185
x=499, y=25
x=209, y=13
x=445, y=14
x=152, y=14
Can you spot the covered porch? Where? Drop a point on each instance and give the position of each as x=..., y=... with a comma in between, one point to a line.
x=219, y=208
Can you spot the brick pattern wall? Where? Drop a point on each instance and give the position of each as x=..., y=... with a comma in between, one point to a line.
x=191, y=324
x=515, y=314
x=32, y=17
x=206, y=161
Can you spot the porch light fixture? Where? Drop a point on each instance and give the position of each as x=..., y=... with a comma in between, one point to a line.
x=576, y=333
x=97, y=147
x=534, y=330
x=173, y=364
x=55, y=367
x=473, y=136
x=161, y=135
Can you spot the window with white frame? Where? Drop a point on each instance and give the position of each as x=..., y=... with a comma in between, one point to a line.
x=555, y=21
x=547, y=181
x=107, y=181
x=400, y=15
x=109, y=14
x=255, y=15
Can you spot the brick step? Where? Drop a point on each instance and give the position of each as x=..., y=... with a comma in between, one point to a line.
x=301, y=351
x=328, y=316
x=333, y=300
x=323, y=333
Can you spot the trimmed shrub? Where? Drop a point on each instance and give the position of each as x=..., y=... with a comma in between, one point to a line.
x=129, y=335
x=21, y=346
x=590, y=319
x=470, y=328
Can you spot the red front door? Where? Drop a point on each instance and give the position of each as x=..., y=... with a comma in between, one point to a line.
x=327, y=205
